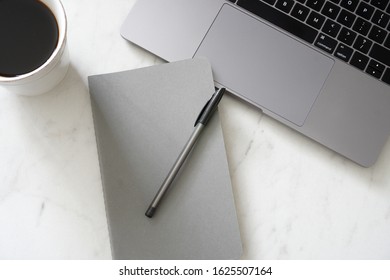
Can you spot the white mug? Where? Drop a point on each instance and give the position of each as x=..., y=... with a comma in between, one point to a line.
x=51, y=72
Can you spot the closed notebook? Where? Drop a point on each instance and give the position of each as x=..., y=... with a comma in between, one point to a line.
x=142, y=120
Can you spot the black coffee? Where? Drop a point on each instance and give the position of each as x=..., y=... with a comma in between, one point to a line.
x=28, y=36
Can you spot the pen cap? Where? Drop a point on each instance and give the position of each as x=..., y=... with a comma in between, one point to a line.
x=210, y=107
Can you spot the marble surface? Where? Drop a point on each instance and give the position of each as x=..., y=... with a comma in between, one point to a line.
x=295, y=199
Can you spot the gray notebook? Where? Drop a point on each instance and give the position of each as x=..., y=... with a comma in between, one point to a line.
x=142, y=120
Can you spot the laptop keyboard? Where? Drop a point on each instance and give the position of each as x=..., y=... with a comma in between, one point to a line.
x=355, y=31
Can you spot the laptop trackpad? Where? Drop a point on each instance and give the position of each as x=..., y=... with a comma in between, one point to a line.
x=268, y=68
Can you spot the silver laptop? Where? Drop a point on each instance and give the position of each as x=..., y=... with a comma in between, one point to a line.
x=320, y=67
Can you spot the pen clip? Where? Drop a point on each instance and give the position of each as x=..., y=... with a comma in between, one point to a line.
x=210, y=107
x=203, y=110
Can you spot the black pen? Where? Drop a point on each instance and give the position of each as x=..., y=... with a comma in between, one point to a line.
x=200, y=123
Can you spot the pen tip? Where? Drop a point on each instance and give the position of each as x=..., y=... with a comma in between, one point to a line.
x=150, y=212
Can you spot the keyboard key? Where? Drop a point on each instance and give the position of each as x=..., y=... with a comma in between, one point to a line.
x=330, y=10
x=346, y=18
x=364, y=10
x=347, y=36
x=315, y=19
x=373, y=72
x=362, y=26
x=386, y=76
x=285, y=5
x=375, y=69
x=387, y=42
x=280, y=19
x=271, y=2
x=381, y=54
x=326, y=43
x=350, y=4
x=381, y=4
x=315, y=4
x=335, y=1
x=343, y=52
x=300, y=12
x=359, y=60
x=377, y=34
x=376, y=65
x=380, y=18
x=362, y=44
x=331, y=28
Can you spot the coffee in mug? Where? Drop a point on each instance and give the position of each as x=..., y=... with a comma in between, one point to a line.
x=33, y=53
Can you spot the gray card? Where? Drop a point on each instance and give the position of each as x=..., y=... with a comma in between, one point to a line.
x=142, y=120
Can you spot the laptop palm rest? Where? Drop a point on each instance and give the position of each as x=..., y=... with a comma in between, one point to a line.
x=268, y=68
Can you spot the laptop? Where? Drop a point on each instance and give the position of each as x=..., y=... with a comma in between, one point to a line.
x=320, y=67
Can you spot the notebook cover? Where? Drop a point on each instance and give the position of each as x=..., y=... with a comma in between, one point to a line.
x=142, y=120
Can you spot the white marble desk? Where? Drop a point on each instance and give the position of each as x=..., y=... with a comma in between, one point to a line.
x=295, y=199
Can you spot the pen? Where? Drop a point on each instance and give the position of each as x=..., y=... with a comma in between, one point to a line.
x=200, y=123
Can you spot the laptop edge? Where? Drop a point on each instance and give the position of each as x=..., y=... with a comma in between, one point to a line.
x=350, y=115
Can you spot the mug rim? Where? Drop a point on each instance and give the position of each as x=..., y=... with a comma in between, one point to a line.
x=57, y=53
